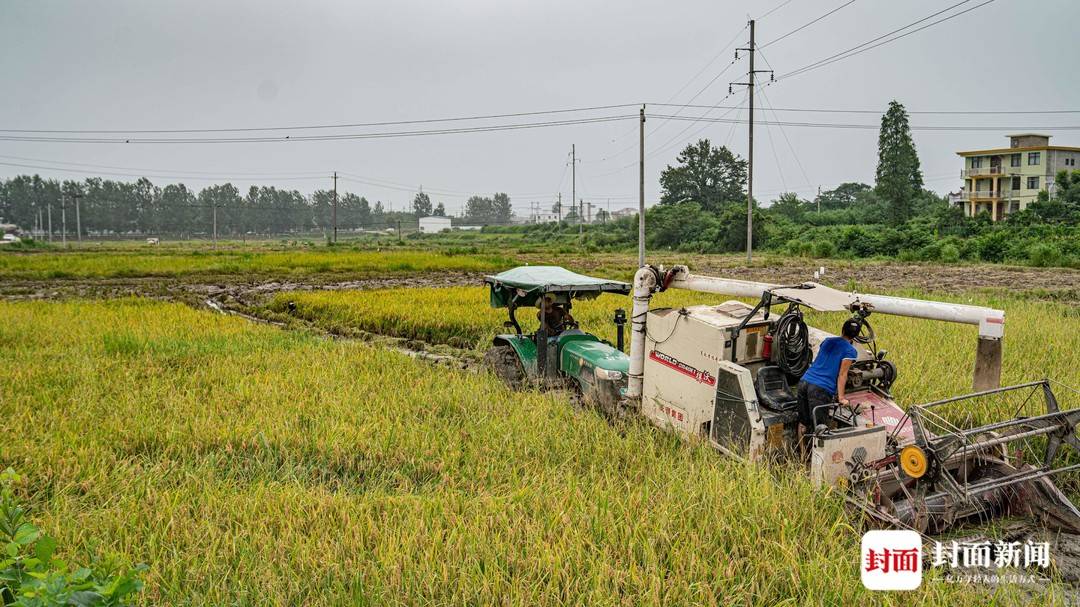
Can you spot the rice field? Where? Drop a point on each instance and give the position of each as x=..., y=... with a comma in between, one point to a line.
x=935, y=359
x=253, y=466
x=81, y=264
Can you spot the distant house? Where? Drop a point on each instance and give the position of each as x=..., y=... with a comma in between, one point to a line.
x=1006, y=180
x=627, y=212
x=543, y=217
x=434, y=225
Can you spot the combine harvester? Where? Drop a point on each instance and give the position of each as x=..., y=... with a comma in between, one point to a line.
x=726, y=373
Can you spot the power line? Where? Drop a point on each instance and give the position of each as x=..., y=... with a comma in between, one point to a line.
x=876, y=126
x=774, y=9
x=806, y=25
x=654, y=129
x=235, y=175
x=193, y=178
x=879, y=112
x=324, y=126
x=862, y=48
x=335, y=137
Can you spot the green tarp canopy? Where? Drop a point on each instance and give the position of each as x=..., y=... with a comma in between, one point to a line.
x=524, y=286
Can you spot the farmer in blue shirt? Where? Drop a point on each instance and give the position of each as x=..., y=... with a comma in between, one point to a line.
x=825, y=380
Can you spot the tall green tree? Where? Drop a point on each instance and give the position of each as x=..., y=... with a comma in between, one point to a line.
x=789, y=205
x=843, y=196
x=710, y=176
x=899, y=178
x=479, y=208
x=439, y=210
x=501, y=210
x=421, y=204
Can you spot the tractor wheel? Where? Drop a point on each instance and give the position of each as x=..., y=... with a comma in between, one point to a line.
x=504, y=362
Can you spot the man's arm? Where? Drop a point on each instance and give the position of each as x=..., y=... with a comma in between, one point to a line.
x=841, y=380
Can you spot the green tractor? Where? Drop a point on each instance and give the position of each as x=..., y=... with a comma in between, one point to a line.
x=558, y=353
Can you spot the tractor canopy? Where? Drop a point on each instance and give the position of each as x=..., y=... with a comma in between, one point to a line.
x=525, y=285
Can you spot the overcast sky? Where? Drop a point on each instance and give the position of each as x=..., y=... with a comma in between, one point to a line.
x=140, y=64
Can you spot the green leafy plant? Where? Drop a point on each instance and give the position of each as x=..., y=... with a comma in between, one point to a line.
x=31, y=576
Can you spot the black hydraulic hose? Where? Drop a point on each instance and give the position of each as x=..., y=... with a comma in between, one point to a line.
x=792, y=343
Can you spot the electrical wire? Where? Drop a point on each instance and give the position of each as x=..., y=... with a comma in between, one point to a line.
x=324, y=126
x=805, y=25
x=861, y=48
x=879, y=112
x=836, y=125
x=334, y=137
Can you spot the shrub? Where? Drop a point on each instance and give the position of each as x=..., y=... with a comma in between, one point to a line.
x=1044, y=255
x=824, y=248
x=949, y=254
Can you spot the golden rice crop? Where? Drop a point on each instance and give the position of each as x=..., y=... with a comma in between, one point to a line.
x=179, y=262
x=935, y=359
x=252, y=466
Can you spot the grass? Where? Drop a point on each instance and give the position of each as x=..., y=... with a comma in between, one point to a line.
x=253, y=466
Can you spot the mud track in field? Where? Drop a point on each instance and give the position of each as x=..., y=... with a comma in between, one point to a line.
x=195, y=290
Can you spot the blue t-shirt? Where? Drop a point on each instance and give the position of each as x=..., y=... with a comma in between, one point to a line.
x=826, y=365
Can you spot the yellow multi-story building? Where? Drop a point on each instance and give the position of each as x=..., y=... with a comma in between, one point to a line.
x=1005, y=180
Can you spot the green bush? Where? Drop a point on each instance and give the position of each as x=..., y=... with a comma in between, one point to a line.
x=31, y=576
x=824, y=248
x=1044, y=255
x=949, y=254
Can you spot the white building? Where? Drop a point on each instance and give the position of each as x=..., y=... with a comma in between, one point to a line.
x=543, y=217
x=434, y=225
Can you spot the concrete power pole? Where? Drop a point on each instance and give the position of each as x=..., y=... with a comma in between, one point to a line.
x=63, y=221
x=78, y=219
x=641, y=192
x=334, y=211
x=48, y=210
x=213, y=212
x=750, y=149
x=750, y=163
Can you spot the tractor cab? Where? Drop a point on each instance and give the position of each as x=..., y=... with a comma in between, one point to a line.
x=558, y=352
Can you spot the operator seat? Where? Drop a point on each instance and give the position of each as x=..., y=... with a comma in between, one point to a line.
x=772, y=389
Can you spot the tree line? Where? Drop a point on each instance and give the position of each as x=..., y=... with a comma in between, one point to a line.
x=115, y=208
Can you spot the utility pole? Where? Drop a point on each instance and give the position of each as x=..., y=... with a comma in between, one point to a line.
x=558, y=207
x=399, y=230
x=213, y=207
x=750, y=150
x=334, y=211
x=48, y=210
x=581, y=221
x=63, y=220
x=78, y=220
x=819, y=199
x=641, y=192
